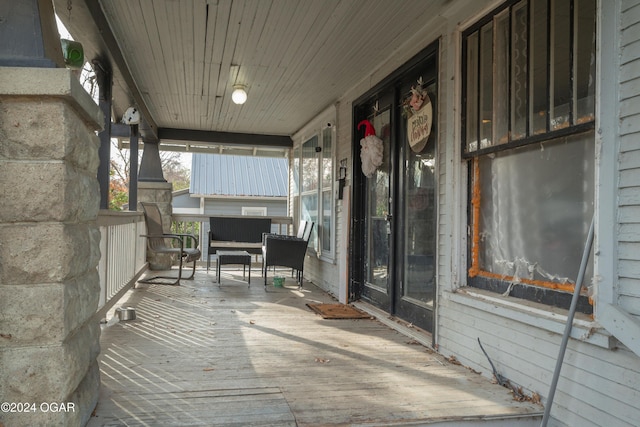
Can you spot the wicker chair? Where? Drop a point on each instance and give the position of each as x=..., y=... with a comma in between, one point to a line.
x=286, y=251
x=176, y=245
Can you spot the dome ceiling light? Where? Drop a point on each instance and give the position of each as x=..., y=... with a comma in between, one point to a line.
x=239, y=95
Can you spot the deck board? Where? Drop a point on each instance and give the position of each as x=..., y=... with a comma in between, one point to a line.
x=199, y=354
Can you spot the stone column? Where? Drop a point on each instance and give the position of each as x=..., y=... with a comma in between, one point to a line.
x=159, y=193
x=49, y=247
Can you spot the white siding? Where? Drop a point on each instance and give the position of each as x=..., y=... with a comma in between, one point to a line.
x=629, y=162
x=598, y=385
x=234, y=207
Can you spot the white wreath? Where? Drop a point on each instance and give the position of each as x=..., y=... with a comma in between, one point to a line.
x=370, y=154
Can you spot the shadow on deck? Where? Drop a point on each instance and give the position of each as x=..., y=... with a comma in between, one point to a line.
x=199, y=354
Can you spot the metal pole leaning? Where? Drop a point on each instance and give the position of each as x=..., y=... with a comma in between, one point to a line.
x=569, y=325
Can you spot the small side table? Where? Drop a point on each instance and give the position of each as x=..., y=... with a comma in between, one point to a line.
x=234, y=257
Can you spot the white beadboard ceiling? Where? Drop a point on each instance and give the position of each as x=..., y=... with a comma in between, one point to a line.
x=296, y=57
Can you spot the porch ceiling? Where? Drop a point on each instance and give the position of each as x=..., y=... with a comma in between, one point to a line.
x=177, y=60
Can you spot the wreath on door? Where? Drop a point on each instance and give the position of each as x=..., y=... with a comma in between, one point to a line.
x=371, y=149
x=418, y=112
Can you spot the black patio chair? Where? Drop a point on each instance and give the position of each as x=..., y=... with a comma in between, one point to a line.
x=176, y=245
x=286, y=251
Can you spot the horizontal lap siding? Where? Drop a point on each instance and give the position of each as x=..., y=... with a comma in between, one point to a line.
x=629, y=162
x=234, y=207
x=597, y=387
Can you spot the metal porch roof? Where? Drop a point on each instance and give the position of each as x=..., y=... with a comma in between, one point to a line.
x=238, y=176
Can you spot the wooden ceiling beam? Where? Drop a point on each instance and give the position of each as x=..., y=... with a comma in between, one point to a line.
x=226, y=138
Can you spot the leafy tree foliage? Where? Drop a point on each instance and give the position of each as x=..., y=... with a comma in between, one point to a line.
x=172, y=168
x=174, y=171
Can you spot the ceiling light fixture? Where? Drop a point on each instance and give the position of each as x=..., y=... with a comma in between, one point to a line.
x=239, y=95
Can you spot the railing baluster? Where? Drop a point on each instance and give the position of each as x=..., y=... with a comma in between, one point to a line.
x=122, y=253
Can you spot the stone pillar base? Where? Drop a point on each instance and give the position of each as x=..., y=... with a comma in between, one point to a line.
x=49, y=247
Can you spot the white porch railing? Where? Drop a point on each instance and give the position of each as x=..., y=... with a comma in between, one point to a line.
x=123, y=251
x=122, y=255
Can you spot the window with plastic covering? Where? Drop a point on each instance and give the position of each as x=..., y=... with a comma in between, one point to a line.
x=528, y=134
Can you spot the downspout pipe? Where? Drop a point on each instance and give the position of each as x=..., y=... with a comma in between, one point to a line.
x=133, y=168
x=569, y=325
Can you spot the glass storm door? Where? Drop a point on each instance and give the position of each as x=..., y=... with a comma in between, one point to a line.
x=378, y=218
x=416, y=222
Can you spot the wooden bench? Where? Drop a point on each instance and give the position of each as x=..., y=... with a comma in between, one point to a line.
x=236, y=234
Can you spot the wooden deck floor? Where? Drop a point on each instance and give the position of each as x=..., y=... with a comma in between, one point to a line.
x=203, y=355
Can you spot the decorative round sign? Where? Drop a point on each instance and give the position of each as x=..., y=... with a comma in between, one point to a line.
x=419, y=125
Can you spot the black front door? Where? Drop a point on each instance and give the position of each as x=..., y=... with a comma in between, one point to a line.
x=395, y=208
x=377, y=207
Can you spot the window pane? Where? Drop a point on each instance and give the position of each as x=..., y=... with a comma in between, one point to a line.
x=254, y=210
x=585, y=60
x=310, y=165
x=310, y=213
x=501, y=79
x=327, y=190
x=486, y=85
x=519, y=78
x=309, y=199
x=560, y=64
x=295, y=183
x=326, y=220
x=538, y=67
x=378, y=190
x=536, y=208
x=418, y=225
x=327, y=159
x=472, y=93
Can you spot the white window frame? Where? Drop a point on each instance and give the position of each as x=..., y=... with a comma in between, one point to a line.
x=254, y=210
x=610, y=320
x=474, y=148
x=322, y=125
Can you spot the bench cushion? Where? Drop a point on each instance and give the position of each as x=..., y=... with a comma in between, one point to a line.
x=221, y=245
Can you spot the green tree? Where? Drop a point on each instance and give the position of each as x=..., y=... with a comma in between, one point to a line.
x=172, y=168
x=118, y=194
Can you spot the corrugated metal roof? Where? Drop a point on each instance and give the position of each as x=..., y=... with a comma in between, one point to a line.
x=229, y=175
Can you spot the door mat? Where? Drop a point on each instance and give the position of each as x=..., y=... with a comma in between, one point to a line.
x=338, y=311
